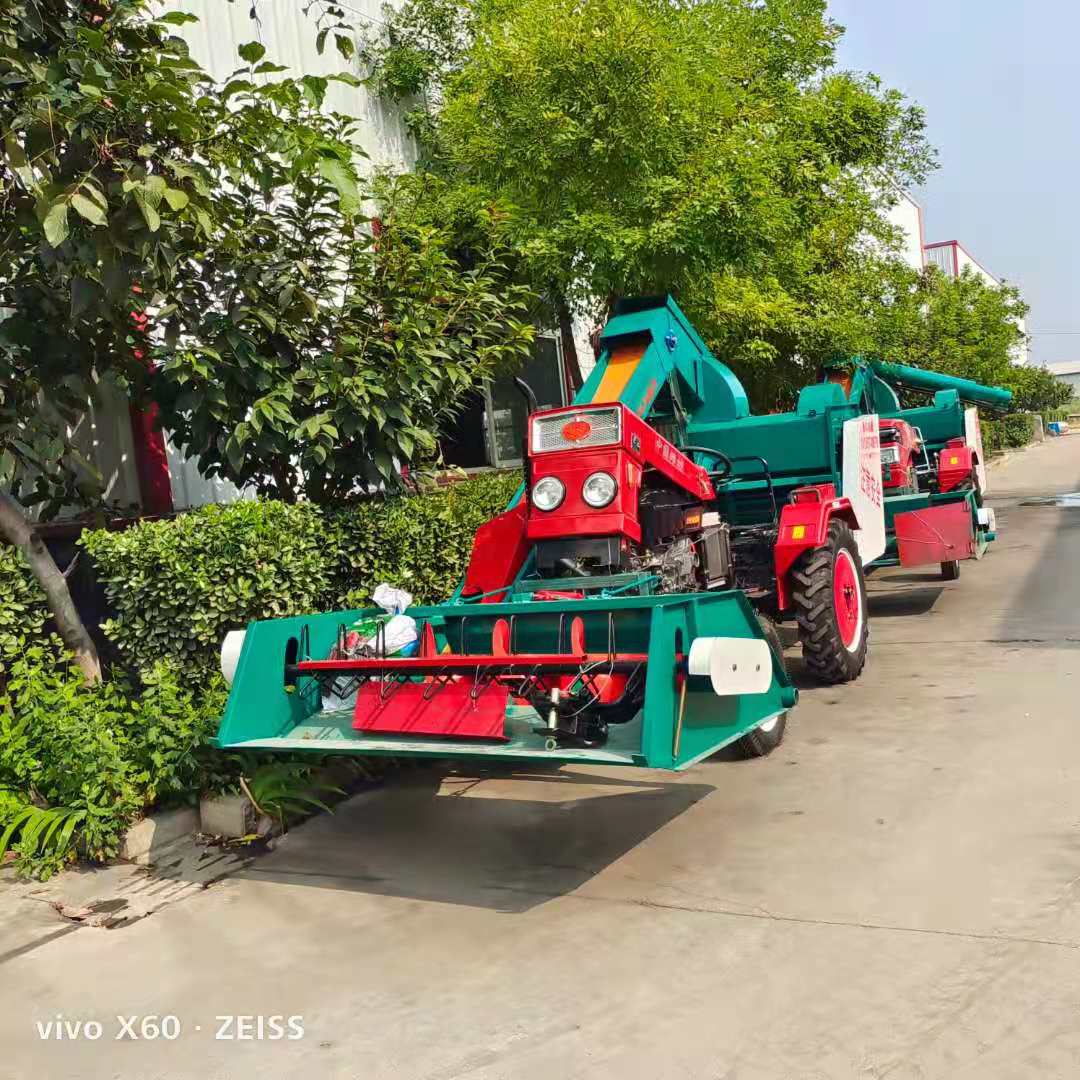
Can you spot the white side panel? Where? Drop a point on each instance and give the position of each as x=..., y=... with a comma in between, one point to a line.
x=862, y=484
x=102, y=435
x=973, y=437
x=734, y=666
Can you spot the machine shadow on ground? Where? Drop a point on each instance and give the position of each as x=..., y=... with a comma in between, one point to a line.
x=901, y=603
x=502, y=840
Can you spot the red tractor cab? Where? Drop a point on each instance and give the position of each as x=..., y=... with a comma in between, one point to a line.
x=901, y=448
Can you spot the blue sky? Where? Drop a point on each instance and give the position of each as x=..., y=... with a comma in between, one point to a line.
x=997, y=80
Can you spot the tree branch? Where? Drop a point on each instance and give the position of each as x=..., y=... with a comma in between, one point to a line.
x=16, y=527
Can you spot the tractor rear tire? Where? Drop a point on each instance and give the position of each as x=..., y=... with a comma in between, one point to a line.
x=830, y=606
x=950, y=571
x=768, y=736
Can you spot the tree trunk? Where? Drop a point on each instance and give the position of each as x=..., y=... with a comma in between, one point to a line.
x=15, y=526
x=571, y=366
x=284, y=479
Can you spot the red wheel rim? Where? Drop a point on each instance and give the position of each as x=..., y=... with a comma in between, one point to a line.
x=847, y=599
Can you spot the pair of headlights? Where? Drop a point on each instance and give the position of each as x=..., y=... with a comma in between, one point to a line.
x=598, y=490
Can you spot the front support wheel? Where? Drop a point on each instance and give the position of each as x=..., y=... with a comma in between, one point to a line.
x=830, y=605
x=766, y=737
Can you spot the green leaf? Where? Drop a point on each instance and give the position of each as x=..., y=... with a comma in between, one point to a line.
x=56, y=223
x=234, y=87
x=83, y=294
x=252, y=51
x=313, y=87
x=149, y=212
x=17, y=158
x=178, y=18
x=176, y=198
x=90, y=204
x=341, y=176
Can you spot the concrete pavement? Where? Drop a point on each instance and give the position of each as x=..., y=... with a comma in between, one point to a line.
x=893, y=893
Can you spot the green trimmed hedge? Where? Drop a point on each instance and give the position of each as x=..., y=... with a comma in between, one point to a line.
x=1010, y=431
x=177, y=586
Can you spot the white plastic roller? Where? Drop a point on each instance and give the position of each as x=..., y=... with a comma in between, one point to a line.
x=733, y=665
x=230, y=653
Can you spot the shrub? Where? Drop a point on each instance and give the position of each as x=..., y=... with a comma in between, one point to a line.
x=1010, y=431
x=101, y=754
x=420, y=542
x=23, y=609
x=177, y=586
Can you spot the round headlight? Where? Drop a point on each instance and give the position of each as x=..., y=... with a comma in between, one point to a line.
x=599, y=489
x=548, y=493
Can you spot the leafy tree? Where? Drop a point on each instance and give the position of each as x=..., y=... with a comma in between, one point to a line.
x=709, y=149
x=129, y=180
x=118, y=164
x=961, y=326
x=1037, y=390
x=340, y=353
x=644, y=146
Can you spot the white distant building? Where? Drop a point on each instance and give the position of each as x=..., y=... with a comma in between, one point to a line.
x=906, y=216
x=1068, y=372
x=949, y=256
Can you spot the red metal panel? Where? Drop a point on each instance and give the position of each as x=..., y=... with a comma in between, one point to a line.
x=955, y=465
x=935, y=535
x=419, y=709
x=499, y=549
x=665, y=457
x=640, y=439
x=574, y=516
x=804, y=523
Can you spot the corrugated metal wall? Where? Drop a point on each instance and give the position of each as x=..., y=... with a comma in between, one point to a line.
x=289, y=37
x=941, y=256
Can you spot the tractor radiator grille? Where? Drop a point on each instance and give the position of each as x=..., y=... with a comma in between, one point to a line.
x=571, y=430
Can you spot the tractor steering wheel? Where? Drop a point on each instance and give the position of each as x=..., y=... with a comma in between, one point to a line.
x=720, y=475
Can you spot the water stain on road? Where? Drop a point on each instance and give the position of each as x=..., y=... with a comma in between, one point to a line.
x=1068, y=502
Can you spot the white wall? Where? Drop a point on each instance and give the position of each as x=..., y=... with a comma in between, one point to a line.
x=906, y=215
x=289, y=37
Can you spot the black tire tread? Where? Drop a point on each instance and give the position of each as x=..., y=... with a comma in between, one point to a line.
x=823, y=651
x=758, y=743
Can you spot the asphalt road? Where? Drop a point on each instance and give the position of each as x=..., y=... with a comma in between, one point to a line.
x=893, y=893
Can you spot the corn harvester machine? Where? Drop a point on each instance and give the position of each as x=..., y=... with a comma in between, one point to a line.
x=933, y=464
x=624, y=609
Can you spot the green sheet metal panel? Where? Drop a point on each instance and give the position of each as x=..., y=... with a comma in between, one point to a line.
x=262, y=715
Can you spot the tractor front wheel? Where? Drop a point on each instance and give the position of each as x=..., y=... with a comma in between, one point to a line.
x=830, y=604
x=950, y=570
x=766, y=737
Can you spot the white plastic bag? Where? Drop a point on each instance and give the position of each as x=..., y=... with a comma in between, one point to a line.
x=391, y=600
x=399, y=631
